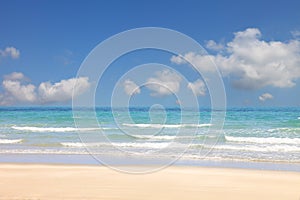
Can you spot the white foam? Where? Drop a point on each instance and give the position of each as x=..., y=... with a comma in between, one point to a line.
x=152, y=145
x=164, y=137
x=155, y=137
x=269, y=140
x=73, y=144
x=256, y=148
x=286, y=129
x=166, y=125
x=54, y=129
x=8, y=141
x=43, y=151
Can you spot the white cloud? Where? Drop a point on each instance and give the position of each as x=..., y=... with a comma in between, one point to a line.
x=253, y=63
x=16, y=90
x=166, y=82
x=201, y=62
x=178, y=59
x=20, y=92
x=15, y=76
x=198, y=87
x=10, y=51
x=210, y=44
x=62, y=91
x=4, y=100
x=265, y=97
x=131, y=88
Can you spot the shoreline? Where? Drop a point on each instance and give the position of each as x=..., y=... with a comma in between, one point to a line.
x=57, y=181
x=86, y=159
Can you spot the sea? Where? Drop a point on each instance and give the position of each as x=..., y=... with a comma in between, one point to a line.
x=260, y=138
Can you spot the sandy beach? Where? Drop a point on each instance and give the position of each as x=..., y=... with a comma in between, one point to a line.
x=34, y=181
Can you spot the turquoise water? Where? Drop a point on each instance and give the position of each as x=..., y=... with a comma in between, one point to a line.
x=249, y=134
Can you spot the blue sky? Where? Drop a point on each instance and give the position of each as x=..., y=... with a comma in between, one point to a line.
x=45, y=42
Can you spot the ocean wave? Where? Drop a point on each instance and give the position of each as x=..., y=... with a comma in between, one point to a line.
x=166, y=125
x=155, y=137
x=55, y=129
x=10, y=141
x=146, y=145
x=284, y=129
x=152, y=145
x=241, y=159
x=72, y=129
x=167, y=137
x=162, y=145
x=73, y=144
x=269, y=140
x=45, y=151
x=257, y=148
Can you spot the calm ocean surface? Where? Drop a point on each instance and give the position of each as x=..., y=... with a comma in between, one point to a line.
x=266, y=135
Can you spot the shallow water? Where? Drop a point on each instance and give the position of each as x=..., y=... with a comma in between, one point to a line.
x=270, y=135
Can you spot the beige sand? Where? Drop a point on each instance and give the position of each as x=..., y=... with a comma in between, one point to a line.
x=30, y=182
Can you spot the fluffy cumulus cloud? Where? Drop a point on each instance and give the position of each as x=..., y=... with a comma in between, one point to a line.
x=198, y=87
x=18, y=90
x=15, y=76
x=210, y=44
x=131, y=88
x=178, y=60
x=165, y=82
x=251, y=62
x=265, y=96
x=10, y=52
x=201, y=62
x=62, y=91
